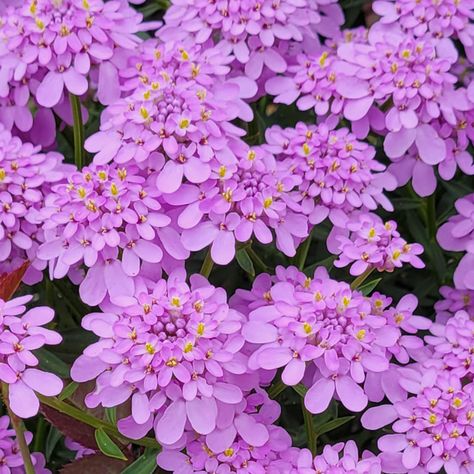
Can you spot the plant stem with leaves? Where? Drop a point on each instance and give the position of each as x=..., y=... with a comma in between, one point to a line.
x=19, y=428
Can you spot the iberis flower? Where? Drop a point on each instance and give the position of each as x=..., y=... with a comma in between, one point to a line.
x=433, y=427
x=260, y=33
x=450, y=19
x=409, y=81
x=457, y=235
x=52, y=46
x=338, y=459
x=322, y=330
x=371, y=243
x=174, y=351
x=177, y=111
x=21, y=333
x=339, y=173
x=110, y=220
x=253, y=200
x=456, y=138
x=10, y=456
x=453, y=345
x=454, y=300
x=26, y=178
x=246, y=442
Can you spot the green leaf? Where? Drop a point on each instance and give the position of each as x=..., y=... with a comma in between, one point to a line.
x=68, y=391
x=52, y=440
x=333, y=424
x=245, y=262
x=300, y=389
x=368, y=287
x=52, y=363
x=111, y=415
x=107, y=446
x=145, y=464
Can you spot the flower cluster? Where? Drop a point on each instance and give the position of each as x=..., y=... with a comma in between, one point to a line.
x=110, y=219
x=174, y=350
x=247, y=442
x=26, y=179
x=176, y=113
x=454, y=301
x=321, y=329
x=252, y=202
x=339, y=173
x=373, y=244
x=21, y=333
x=261, y=34
x=10, y=457
x=457, y=234
x=433, y=427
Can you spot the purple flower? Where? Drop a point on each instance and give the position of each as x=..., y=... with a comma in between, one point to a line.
x=457, y=235
x=454, y=301
x=26, y=178
x=10, y=456
x=22, y=333
x=339, y=173
x=80, y=450
x=253, y=201
x=55, y=44
x=313, y=328
x=110, y=219
x=174, y=350
x=260, y=35
x=372, y=243
x=433, y=427
x=246, y=441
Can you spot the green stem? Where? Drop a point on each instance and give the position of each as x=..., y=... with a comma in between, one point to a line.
x=78, y=128
x=430, y=213
x=258, y=262
x=276, y=389
x=88, y=419
x=207, y=265
x=361, y=278
x=310, y=433
x=38, y=440
x=19, y=428
x=303, y=250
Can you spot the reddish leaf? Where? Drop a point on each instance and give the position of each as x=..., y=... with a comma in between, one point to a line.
x=9, y=282
x=95, y=464
x=79, y=432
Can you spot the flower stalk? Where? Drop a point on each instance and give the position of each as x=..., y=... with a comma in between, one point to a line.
x=207, y=265
x=78, y=129
x=361, y=278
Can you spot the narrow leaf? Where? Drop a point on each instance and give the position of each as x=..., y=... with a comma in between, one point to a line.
x=368, y=287
x=94, y=464
x=68, y=391
x=111, y=415
x=52, y=363
x=333, y=424
x=107, y=446
x=245, y=262
x=52, y=440
x=300, y=389
x=145, y=464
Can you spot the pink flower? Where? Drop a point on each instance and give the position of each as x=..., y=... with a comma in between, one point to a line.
x=454, y=301
x=374, y=244
x=312, y=327
x=26, y=178
x=22, y=333
x=338, y=172
x=174, y=350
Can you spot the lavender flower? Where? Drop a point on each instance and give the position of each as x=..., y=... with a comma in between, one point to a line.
x=454, y=301
x=22, y=333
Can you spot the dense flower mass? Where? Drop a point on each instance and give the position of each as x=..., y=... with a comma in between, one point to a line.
x=338, y=172
x=108, y=218
x=433, y=426
x=26, y=179
x=10, y=456
x=321, y=329
x=254, y=200
x=454, y=301
x=261, y=34
x=373, y=244
x=247, y=442
x=457, y=234
x=174, y=350
x=21, y=333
